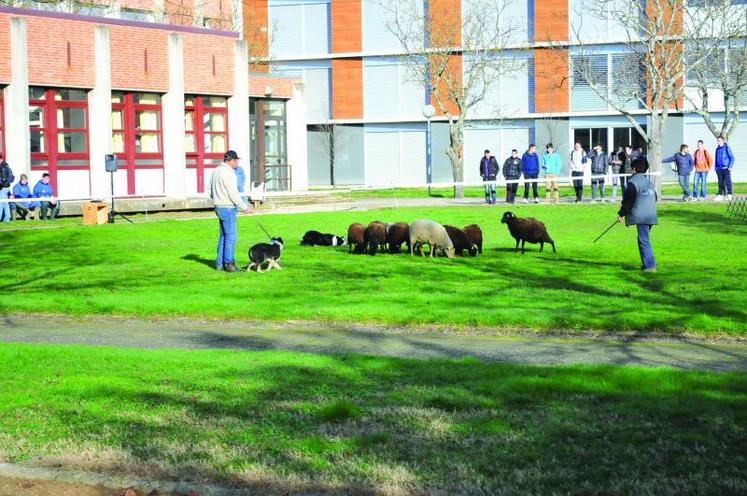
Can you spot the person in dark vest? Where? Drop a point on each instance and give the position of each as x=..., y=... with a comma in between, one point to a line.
x=489, y=172
x=639, y=209
x=512, y=172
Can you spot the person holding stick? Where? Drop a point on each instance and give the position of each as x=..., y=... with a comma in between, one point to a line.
x=639, y=208
x=224, y=192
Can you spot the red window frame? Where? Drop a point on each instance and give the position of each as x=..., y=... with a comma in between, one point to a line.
x=200, y=159
x=130, y=159
x=50, y=159
x=2, y=125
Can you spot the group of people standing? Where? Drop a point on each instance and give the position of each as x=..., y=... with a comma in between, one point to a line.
x=619, y=162
x=21, y=192
x=702, y=162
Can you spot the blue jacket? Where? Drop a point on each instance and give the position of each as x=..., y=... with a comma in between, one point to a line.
x=724, y=157
x=551, y=163
x=530, y=163
x=23, y=191
x=684, y=163
x=240, y=178
x=42, y=190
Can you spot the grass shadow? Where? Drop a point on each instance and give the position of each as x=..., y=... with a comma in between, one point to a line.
x=197, y=258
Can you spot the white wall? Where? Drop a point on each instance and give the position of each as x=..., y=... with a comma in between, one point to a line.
x=394, y=155
x=389, y=92
x=299, y=27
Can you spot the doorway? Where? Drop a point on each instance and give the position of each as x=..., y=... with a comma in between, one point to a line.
x=269, y=157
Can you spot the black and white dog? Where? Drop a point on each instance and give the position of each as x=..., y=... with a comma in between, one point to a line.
x=315, y=238
x=268, y=253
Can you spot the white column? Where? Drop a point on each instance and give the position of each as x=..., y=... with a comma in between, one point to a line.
x=17, y=132
x=100, y=114
x=295, y=116
x=238, y=108
x=174, y=158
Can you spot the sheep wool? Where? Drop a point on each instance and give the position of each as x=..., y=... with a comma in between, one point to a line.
x=423, y=231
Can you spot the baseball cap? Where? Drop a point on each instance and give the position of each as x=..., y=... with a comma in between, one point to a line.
x=230, y=155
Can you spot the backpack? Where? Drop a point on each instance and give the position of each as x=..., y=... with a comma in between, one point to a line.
x=6, y=175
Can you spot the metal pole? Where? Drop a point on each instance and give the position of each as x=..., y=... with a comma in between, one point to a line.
x=428, y=164
x=111, y=212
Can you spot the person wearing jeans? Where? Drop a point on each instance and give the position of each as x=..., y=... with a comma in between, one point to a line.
x=49, y=207
x=577, y=165
x=6, y=179
x=489, y=172
x=530, y=168
x=224, y=192
x=511, y=173
x=599, y=166
x=724, y=163
x=703, y=163
x=639, y=208
x=683, y=166
x=551, y=167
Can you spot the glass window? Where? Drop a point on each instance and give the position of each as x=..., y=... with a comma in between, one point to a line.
x=36, y=116
x=36, y=93
x=71, y=142
x=117, y=97
x=215, y=101
x=69, y=95
x=37, y=142
x=136, y=15
x=214, y=122
x=118, y=140
x=71, y=118
x=148, y=143
x=189, y=143
x=146, y=98
x=189, y=121
x=147, y=120
x=117, y=120
x=215, y=143
x=274, y=108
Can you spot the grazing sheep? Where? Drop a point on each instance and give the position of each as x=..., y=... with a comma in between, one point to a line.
x=356, y=239
x=430, y=233
x=474, y=233
x=527, y=230
x=375, y=236
x=397, y=234
x=460, y=241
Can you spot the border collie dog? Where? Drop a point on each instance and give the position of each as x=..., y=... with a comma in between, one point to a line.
x=265, y=253
x=315, y=238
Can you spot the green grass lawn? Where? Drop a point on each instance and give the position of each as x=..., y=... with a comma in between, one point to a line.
x=282, y=422
x=165, y=269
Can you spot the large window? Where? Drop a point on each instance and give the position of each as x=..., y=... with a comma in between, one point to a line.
x=58, y=119
x=136, y=133
x=206, y=126
x=269, y=159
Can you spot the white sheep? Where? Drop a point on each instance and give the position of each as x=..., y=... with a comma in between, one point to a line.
x=433, y=234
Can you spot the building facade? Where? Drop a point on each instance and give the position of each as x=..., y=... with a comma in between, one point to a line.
x=358, y=90
x=167, y=99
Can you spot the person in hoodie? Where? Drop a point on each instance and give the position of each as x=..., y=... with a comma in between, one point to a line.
x=599, y=166
x=511, y=173
x=724, y=164
x=6, y=180
x=530, y=168
x=48, y=209
x=551, y=167
x=577, y=163
x=683, y=165
x=703, y=163
x=639, y=209
x=489, y=172
x=22, y=209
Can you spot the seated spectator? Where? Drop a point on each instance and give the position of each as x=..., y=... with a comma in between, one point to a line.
x=48, y=209
x=22, y=209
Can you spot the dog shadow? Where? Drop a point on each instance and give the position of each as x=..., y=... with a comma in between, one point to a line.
x=196, y=258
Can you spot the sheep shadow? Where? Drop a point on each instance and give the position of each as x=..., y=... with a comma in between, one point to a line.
x=196, y=258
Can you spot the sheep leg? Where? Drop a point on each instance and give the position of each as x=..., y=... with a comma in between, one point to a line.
x=517, y=244
x=553, y=246
x=542, y=246
x=479, y=248
x=522, y=246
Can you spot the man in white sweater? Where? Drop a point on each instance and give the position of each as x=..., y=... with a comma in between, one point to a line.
x=224, y=192
x=577, y=165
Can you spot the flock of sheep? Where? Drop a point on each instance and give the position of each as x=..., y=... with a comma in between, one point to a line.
x=449, y=240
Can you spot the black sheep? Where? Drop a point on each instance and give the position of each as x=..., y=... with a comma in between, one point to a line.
x=397, y=234
x=474, y=233
x=374, y=237
x=460, y=241
x=527, y=230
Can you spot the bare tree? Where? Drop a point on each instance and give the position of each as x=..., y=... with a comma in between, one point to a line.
x=333, y=140
x=716, y=54
x=458, y=62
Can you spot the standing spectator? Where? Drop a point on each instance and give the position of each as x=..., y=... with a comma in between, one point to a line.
x=683, y=166
x=626, y=166
x=241, y=182
x=49, y=208
x=512, y=172
x=224, y=192
x=489, y=172
x=551, y=166
x=724, y=163
x=703, y=163
x=615, y=163
x=6, y=179
x=639, y=209
x=21, y=191
x=577, y=164
x=530, y=168
x=599, y=166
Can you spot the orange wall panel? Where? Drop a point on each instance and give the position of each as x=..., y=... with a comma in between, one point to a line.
x=346, y=26
x=347, y=88
x=256, y=26
x=281, y=87
x=551, y=83
x=128, y=59
x=445, y=22
x=49, y=61
x=208, y=64
x=454, y=69
x=5, y=48
x=550, y=20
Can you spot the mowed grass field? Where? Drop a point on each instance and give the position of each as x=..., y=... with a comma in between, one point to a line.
x=292, y=423
x=165, y=268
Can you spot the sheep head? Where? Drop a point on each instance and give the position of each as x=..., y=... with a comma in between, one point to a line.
x=507, y=217
x=450, y=252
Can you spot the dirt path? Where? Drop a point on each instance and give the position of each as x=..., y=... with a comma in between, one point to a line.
x=317, y=338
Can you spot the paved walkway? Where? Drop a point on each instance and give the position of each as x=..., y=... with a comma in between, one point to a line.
x=316, y=338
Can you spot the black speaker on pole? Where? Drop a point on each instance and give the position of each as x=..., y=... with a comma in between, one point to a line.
x=110, y=164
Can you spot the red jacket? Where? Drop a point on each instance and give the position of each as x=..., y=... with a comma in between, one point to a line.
x=703, y=161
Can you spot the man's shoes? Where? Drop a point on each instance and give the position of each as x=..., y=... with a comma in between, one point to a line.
x=728, y=197
x=536, y=200
x=650, y=269
x=718, y=198
x=231, y=267
x=702, y=198
x=526, y=200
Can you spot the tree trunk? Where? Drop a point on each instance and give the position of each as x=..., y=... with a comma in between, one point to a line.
x=655, y=152
x=455, y=156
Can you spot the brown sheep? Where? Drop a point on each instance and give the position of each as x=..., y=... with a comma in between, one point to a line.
x=374, y=237
x=356, y=239
x=474, y=233
x=397, y=234
x=460, y=241
x=527, y=230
